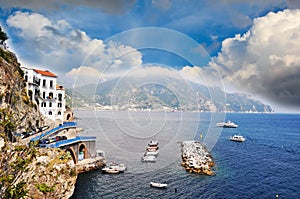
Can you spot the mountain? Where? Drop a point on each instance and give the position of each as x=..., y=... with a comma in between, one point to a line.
x=168, y=94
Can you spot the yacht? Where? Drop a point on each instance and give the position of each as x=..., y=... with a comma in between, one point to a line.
x=237, y=138
x=227, y=124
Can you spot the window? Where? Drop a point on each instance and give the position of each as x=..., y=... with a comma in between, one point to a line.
x=51, y=84
x=59, y=97
x=44, y=95
x=26, y=78
x=50, y=104
x=44, y=82
x=43, y=104
x=30, y=93
x=50, y=112
x=50, y=95
x=59, y=104
x=59, y=113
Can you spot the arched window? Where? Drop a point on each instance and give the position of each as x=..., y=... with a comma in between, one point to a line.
x=59, y=113
x=50, y=112
x=50, y=104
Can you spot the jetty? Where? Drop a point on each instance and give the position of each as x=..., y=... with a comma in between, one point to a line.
x=196, y=158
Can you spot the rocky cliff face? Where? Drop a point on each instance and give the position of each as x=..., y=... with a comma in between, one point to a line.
x=27, y=172
x=17, y=112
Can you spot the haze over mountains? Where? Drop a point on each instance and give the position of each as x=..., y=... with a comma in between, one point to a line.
x=162, y=94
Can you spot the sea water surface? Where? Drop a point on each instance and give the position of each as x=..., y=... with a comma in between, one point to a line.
x=266, y=165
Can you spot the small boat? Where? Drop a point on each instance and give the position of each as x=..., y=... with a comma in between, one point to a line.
x=237, y=138
x=158, y=185
x=149, y=158
x=119, y=167
x=153, y=153
x=110, y=170
x=153, y=143
x=152, y=148
x=227, y=124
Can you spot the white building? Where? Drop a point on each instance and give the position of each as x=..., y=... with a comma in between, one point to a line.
x=42, y=89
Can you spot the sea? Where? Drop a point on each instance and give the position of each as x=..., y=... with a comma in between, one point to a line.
x=265, y=165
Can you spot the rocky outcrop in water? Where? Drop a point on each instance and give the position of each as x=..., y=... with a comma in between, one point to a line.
x=196, y=158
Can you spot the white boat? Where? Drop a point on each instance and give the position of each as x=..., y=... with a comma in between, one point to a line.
x=148, y=158
x=153, y=153
x=119, y=167
x=110, y=170
x=114, y=168
x=153, y=143
x=227, y=124
x=158, y=185
x=237, y=138
x=152, y=148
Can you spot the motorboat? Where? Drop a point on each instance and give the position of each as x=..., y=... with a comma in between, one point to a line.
x=110, y=170
x=153, y=143
x=119, y=167
x=237, y=138
x=153, y=153
x=227, y=124
x=114, y=168
x=152, y=148
x=158, y=185
x=149, y=158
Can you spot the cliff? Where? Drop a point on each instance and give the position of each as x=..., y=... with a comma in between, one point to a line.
x=27, y=172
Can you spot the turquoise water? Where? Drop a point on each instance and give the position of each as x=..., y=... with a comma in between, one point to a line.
x=265, y=165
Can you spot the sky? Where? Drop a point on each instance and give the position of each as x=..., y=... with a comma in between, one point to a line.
x=245, y=46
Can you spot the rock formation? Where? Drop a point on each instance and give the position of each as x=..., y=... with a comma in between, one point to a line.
x=27, y=172
x=196, y=158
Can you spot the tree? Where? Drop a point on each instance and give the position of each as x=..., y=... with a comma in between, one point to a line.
x=3, y=36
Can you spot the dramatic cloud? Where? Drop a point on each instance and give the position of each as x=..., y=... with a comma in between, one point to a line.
x=58, y=45
x=266, y=59
x=109, y=6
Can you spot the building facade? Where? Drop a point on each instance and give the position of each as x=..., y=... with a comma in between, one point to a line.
x=43, y=90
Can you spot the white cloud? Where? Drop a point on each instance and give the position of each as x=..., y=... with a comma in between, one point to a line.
x=58, y=45
x=265, y=60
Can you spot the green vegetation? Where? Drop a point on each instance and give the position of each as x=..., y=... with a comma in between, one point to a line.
x=44, y=188
x=13, y=163
x=16, y=191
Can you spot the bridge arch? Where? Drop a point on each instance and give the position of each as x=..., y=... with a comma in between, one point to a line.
x=72, y=153
x=83, y=151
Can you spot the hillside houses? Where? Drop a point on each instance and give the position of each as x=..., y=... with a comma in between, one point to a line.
x=42, y=89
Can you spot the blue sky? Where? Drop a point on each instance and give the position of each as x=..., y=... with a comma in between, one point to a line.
x=74, y=37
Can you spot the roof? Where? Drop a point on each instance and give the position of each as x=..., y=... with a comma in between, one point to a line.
x=59, y=87
x=45, y=73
